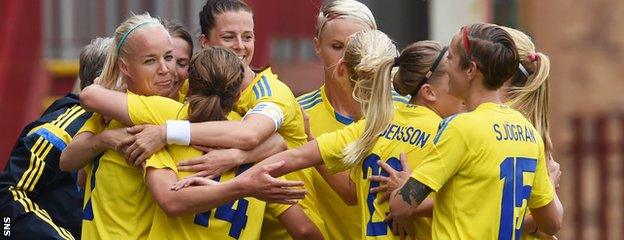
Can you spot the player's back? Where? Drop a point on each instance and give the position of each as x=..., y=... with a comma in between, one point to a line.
x=486, y=162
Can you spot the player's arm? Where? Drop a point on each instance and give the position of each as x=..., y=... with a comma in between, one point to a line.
x=256, y=127
x=340, y=183
x=114, y=104
x=217, y=161
x=252, y=183
x=86, y=146
x=299, y=158
x=298, y=225
x=549, y=218
x=409, y=196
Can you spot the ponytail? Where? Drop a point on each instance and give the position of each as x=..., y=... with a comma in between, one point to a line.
x=532, y=99
x=370, y=57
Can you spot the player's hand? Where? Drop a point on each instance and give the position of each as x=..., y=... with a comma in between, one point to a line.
x=554, y=172
x=193, y=181
x=214, y=162
x=114, y=138
x=400, y=214
x=259, y=184
x=402, y=227
x=395, y=179
x=148, y=139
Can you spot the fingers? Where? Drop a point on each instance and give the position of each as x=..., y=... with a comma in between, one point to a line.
x=379, y=178
x=388, y=218
x=126, y=142
x=193, y=161
x=285, y=183
x=141, y=158
x=135, y=129
x=386, y=168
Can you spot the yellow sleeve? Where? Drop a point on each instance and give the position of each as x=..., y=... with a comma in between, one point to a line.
x=331, y=145
x=153, y=109
x=444, y=160
x=94, y=124
x=542, y=192
x=272, y=90
x=161, y=159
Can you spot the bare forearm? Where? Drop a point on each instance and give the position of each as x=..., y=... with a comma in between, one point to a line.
x=225, y=134
x=340, y=183
x=295, y=159
x=550, y=217
x=425, y=209
x=81, y=151
x=202, y=198
x=271, y=146
x=189, y=200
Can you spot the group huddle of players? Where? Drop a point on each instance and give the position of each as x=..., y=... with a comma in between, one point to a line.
x=429, y=142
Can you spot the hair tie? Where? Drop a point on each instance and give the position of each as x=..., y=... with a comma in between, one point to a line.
x=125, y=36
x=396, y=62
x=523, y=70
x=533, y=57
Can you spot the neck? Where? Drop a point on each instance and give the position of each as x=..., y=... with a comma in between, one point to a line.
x=479, y=95
x=340, y=96
x=249, y=76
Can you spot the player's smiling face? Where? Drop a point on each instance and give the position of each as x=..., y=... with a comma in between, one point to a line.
x=149, y=65
x=233, y=30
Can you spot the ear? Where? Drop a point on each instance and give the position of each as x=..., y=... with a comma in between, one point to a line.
x=123, y=67
x=428, y=93
x=203, y=41
x=471, y=72
x=341, y=69
x=317, y=46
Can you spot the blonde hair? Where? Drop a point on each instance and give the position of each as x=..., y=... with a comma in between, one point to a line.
x=345, y=9
x=111, y=77
x=369, y=55
x=531, y=97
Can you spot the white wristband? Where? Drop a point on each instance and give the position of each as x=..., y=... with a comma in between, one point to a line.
x=269, y=109
x=178, y=132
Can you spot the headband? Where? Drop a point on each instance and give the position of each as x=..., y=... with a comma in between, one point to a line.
x=125, y=36
x=431, y=70
x=466, y=40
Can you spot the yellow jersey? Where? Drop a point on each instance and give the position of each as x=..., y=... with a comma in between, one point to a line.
x=411, y=131
x=266, y=87
x=487, y=166
x=117, y=203
x=240, y=219
x=341, y=220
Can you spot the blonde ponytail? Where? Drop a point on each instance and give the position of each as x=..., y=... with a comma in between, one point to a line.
x=369, y=57
x=532, y=97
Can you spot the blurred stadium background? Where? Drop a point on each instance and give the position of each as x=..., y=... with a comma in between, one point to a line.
x=40, y=41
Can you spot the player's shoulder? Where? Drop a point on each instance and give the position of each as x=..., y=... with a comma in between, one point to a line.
x=309, y=100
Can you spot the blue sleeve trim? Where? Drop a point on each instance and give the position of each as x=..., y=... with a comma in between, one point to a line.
x=53, y=139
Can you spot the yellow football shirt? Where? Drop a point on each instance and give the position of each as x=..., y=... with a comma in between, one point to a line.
x=266, y=87
x=240, y=219
x=411, y=131
x=117, y=203
x=487, y=166
x=341, y=220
